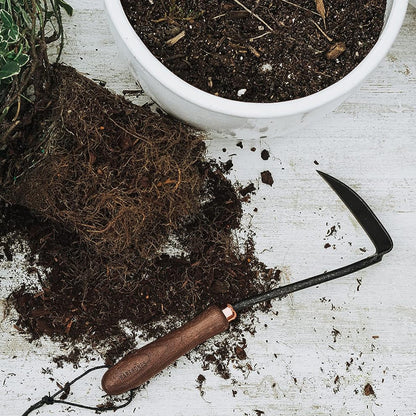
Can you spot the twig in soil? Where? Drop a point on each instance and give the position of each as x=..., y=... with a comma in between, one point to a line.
x=16, y=116
x=254, y=51
x=323, y=74
x=336, y=50
x=219, y=16
x=176, y=38
x=260, y=36
x=129, y=132
x=132, y=92
x=300, y=7
x=254, y=14
x=321, y=30
x=173, y=57
x=320, y=7
x=9, y=130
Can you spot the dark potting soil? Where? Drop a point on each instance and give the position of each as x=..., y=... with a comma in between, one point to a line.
x=79, y=304
x=80, y=183
x=257, y=50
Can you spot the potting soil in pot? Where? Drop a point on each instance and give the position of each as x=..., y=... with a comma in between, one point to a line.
x=258, y=50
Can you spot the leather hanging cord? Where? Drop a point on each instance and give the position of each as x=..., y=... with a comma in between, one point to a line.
x=51, y=399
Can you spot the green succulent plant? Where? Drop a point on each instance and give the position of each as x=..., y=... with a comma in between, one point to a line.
x=24, y=26
x=13, y=48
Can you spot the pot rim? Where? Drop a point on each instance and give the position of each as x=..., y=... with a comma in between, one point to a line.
x=251, y=110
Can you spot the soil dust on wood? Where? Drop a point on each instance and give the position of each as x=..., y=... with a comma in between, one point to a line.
x=132, y=226
x=257, y=50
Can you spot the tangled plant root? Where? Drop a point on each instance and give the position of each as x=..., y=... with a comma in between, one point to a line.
x=119, y=175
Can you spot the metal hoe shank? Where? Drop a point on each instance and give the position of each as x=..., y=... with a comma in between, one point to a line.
x=370, y=224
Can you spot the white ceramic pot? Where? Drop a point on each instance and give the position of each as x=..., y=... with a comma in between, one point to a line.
x=234, y=118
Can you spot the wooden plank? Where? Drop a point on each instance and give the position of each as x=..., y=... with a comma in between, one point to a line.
x=298, y=368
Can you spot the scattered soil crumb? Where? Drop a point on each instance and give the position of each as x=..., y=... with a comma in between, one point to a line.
x=368, y=390
x=331, y=231
x=337, y=384
x=200, y=381
x=72, y=357
x=240, y=353
x=335, y=333
x=227, y=166
x=240, y=145
x=249, y=189
x=267, y=178
x=65, y=393
x=265, y=154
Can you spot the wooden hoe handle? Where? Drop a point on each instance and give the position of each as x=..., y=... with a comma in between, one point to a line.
x=140, y=365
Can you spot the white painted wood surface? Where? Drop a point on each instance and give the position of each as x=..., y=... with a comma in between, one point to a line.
x=370, y=143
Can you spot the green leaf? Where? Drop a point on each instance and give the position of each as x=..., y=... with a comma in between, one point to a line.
x=10, y=56
x=9, y=69
x=19, y=10
x=22, y=59
x=6, y=18
x=4, y=47
x=3, y=4
x=13, y=34
x=26, y=18
x=66, y=7
x=49, y=15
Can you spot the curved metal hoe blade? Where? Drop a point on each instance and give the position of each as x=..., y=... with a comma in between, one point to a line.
x=370, y=224
x=362, y=213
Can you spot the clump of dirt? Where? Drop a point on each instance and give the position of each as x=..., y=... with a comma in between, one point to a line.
x=265, y=154
x=257, y=50
x=368, y=390
x=118, y=175
x=267, y=178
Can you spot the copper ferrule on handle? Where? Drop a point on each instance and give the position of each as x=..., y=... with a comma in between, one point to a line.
x=229, y=313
